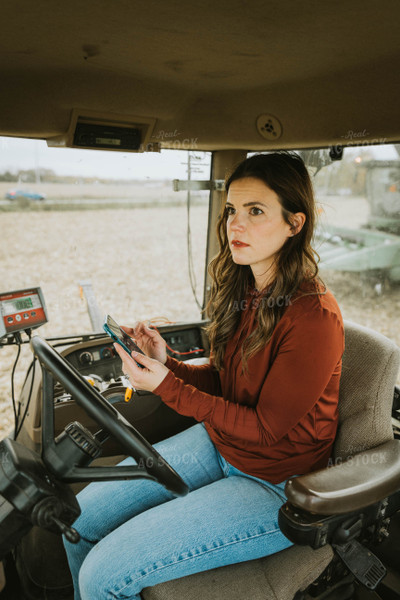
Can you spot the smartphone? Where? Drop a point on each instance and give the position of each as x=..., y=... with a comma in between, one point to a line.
x=123, y=339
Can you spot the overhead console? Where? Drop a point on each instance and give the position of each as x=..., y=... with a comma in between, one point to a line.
x=98, y=131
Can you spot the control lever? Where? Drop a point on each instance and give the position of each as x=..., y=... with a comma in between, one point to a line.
x=46, y=514
x=70, y=533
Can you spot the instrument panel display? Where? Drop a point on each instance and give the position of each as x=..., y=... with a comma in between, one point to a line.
x=21, y=309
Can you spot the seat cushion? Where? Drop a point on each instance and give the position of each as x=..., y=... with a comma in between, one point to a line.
x=370, y=367
x=276, y=577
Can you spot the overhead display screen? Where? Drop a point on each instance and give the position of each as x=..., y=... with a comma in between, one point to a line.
x=89, y=135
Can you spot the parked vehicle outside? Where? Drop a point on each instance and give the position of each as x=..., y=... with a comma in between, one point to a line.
x=17, y=194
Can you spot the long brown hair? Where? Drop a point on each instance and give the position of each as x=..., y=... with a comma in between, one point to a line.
x=286, y=174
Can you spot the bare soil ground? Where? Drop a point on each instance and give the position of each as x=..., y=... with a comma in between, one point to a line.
x=136, y=260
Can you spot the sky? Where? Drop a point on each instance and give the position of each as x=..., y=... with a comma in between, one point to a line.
x=16, y=154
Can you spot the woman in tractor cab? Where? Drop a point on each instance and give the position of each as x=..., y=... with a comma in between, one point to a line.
x=266, y=403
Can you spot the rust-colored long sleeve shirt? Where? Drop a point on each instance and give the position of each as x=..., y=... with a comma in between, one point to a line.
x=280, y=418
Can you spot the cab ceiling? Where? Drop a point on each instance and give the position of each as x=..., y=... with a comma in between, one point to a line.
x=328, y=71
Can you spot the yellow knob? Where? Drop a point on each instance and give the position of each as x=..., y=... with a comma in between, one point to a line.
x=128, y=394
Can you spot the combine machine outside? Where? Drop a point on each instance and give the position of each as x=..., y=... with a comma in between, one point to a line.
x=375, y=248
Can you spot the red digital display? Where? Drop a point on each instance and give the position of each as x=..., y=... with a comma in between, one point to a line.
x=22, y=309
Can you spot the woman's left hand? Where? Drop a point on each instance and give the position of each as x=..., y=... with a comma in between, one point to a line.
x=148, y=378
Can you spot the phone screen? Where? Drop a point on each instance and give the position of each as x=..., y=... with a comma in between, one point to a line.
x=119, y=335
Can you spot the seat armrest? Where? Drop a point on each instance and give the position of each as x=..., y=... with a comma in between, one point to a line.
x=363, y=479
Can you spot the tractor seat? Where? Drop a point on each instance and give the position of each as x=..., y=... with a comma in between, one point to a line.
x=365, y=477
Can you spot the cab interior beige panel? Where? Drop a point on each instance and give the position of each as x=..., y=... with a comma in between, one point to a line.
x=205, y=71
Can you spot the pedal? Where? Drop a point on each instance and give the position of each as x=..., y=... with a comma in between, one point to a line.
x=360, y=561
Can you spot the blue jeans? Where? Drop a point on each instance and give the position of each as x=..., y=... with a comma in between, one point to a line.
x=135, y=534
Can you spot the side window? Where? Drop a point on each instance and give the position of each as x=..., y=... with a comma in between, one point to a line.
x=358, y=236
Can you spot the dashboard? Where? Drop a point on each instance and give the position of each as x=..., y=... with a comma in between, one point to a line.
x=94, y=357
x=184, y=342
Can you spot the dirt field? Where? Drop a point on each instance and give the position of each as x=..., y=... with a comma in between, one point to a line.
x=136, y=260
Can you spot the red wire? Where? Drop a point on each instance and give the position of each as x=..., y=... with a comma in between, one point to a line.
x=182, y=353
x=177, y=351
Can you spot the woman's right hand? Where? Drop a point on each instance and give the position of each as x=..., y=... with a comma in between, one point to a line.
x=148, y=340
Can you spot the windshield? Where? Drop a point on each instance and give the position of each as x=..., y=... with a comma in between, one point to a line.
x=111, y=221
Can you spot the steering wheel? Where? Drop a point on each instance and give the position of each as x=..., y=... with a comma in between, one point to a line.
x=150, y=463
